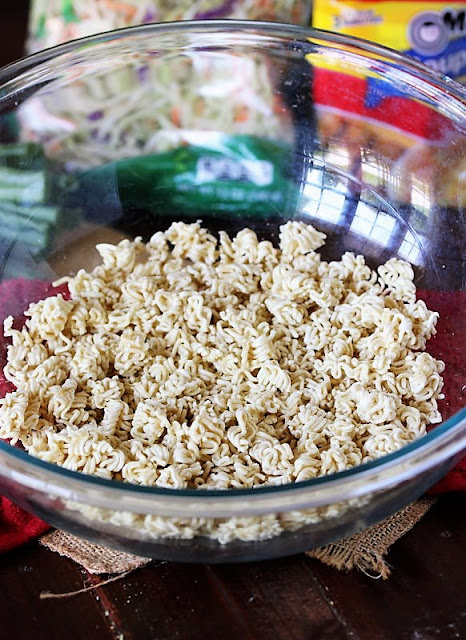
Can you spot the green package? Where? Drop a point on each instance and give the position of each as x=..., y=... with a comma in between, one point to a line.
x=232, y=175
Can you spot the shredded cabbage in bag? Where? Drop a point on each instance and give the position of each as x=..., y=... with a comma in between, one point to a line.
x=144, y=106
x=55, y=21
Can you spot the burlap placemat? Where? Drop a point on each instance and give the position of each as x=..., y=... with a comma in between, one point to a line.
x=93, y=557
x=364, y=551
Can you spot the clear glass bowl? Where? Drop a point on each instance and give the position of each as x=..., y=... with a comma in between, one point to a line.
x=366, y=144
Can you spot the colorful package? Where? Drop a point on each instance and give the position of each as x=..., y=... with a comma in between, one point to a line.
x=433, y=32
x=355, y=114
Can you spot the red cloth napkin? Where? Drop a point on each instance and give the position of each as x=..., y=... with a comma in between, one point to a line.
x=449, y=345
x=18, y=527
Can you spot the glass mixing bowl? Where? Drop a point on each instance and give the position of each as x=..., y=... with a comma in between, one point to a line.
x=246, y=124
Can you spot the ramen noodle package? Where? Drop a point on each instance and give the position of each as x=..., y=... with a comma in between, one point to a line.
x=359, y=116
x=433, y=32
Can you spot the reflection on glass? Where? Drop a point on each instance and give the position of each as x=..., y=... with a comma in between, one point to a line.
x=420, y=197
x=325, y=198
x=409, y=249
x=376, y=225
x=345, y=206
x=375, y=171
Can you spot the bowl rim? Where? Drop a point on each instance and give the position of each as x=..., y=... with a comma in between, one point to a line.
x=441, y=444
x=296, y=32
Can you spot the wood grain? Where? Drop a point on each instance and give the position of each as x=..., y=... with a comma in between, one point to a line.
x=24, y=574
x=424, y=598
x=293, y=598
x=266, y=600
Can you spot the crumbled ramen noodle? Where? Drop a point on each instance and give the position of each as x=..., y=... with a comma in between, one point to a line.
x=224, y=530
x=196, y=362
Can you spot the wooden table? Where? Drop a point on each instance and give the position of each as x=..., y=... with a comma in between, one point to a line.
x=293, y=598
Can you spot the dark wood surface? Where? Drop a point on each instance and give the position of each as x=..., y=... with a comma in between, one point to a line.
x=294, y=598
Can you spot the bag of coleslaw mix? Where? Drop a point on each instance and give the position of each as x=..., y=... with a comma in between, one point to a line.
x=430, y=31
x=239, y=168
x=52, y=22
x=219, y=139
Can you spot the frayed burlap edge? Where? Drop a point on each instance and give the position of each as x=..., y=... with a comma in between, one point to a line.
x=364, y=551
x=93, y=557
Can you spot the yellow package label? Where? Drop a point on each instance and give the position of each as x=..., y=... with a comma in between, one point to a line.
x=432, y=32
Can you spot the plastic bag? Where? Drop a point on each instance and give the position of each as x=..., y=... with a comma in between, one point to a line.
x=53, y=22
x=432, y=32
x=233, y=176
